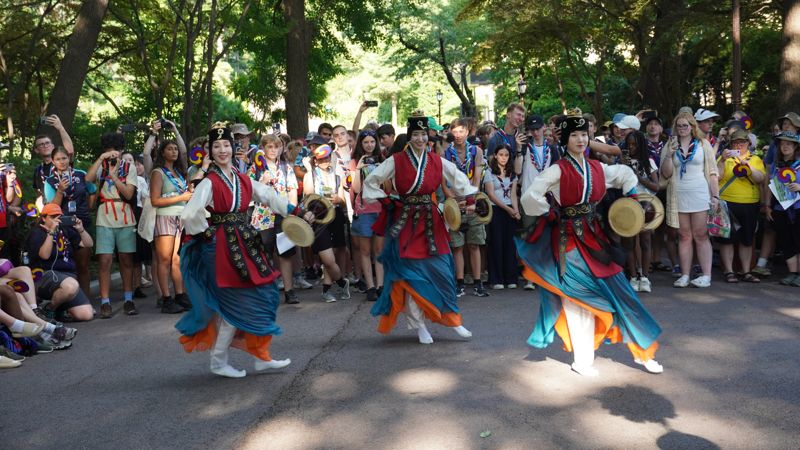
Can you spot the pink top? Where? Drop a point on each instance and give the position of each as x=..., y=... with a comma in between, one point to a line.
x=361, y=206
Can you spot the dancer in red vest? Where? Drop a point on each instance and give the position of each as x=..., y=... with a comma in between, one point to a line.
x=586, y=298
x=418, y=265
x=225, y=269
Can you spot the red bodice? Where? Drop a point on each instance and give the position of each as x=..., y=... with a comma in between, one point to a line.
x=227, y=275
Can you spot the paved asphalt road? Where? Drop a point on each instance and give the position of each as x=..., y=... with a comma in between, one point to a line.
x=731, y=381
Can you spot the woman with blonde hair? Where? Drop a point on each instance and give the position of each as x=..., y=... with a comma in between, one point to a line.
x=689, y=166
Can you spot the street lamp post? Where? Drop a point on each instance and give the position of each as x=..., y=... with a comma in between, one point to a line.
x=522, y=87
x=439, y=97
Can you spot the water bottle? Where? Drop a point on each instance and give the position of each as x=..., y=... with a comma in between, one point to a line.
x=25, y=259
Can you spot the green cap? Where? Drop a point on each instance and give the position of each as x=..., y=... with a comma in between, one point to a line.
x=433, y=125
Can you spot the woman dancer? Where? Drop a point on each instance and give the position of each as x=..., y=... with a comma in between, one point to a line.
x=418, y=266
x=586, y=298
x=225, y=270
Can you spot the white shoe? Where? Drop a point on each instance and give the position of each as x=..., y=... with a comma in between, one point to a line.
x=145, y=283
x=328, y=296
x=512, y=286
x=424, y=336
x=498, y=287
x=301, y=283
x=272, y=365
x=587, y=371
x=645, y=285
x=681, y=282
x=228, y=371
x=463, y=332
x=703, y=281
x=634, y=284
x=651, y=365
x=529, y=286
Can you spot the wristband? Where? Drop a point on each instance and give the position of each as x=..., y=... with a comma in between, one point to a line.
x=715, y=196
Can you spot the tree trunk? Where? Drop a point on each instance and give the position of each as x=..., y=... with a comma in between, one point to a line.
x=789, y=97
x=298, y=47
x=67, y=90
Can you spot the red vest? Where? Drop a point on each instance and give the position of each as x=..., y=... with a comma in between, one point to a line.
x=412, y=239
x=571, y=192
x=227, y=275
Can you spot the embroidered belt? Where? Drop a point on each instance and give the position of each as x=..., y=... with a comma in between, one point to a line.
x=240, y=237
x=581, y=217
x=416, y=205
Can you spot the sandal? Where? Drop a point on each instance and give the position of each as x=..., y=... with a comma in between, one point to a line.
x=750, y=278
x=730, y=277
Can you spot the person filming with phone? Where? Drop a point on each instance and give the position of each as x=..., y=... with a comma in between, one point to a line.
x=52, y=244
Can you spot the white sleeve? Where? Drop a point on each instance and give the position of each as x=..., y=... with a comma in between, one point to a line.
x=620, y=176
x=194, y=213
x=533, y=201
x=267, y=195
x=373, y=185
x=459, y=182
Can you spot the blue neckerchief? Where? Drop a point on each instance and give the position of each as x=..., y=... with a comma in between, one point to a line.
x=684, y=160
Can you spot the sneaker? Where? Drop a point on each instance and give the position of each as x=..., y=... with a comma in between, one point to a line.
x=42, y=346
x=279, y=283
x=703, y=281
x=352, y=278
x=498, y=287
x=51, y=343
x=145, y=283
x=681, y=282
x=480, y=291
x=10, y=355
x=301, y=283
x=343, y=292
x=290, y=297
x=361, y=286
x=45, y=314
x=62, y=316
x=645, y=285
x=371, y=295
x=183, y=301
x=634, y=284
x=129, y=308
x=137, y=293
x=8, y=363
x=512, y=286
x=460, y=291
x=529, y=286
x=65, y=333
x=328, y=297
x=762, y=271
x=168, y=306
x=676, y=271
x=105, y=311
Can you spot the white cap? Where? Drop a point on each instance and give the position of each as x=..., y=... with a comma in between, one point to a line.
x=628, y=122
x=704, y=114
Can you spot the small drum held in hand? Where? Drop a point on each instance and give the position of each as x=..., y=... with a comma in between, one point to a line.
x=321, y=207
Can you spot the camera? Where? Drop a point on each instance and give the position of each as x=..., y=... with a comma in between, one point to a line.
x=112, y=162
x=68, y=221
x=371, y=103
x=43, y=120
x=276, y=128
x=164, y=124
x=369, y=160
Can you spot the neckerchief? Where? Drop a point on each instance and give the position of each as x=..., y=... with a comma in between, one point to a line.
x=585, y=173
x=684, y=160
x=70, y=192
x=468, y=166
x=320, y=181
x=539, y=164
x=179, y=182
x=122, y=173
x=506, y=189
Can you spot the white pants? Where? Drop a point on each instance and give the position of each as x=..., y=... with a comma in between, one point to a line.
x=414, y=314
x=580, y=323
x=219, y=354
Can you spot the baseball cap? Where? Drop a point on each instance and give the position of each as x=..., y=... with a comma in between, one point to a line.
x=433, y=125
x=51, y=209
x=317, y=140
x=617, y=117
x=628, y=122
x=704, y=114
x=534, y=122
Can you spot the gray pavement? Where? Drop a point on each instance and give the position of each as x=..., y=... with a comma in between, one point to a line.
x=730, y=381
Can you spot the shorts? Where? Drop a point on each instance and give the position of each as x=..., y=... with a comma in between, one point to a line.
x=123, y=239
x=745, y=217
x=168, y=226
x=475, y=234
x=332, y=235
x=269, y=237
x=49, y=283
x=362, y=225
